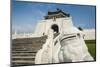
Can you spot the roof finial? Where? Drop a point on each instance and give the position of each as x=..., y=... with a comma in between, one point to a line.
x=58, y=9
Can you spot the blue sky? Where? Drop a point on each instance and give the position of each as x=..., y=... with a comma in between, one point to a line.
x=25, y=15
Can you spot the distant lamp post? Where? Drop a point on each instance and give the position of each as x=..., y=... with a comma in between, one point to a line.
x=80, y=28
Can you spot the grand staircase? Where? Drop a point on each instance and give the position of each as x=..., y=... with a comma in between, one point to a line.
x=24, y=50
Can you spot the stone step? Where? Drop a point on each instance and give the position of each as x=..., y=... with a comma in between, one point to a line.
x=30, y=48
x=23, y=53
x=24, y=50
x=29, y=40
x=25, y=43
x=20, y=52
x=56, y=34
x=23, y=57
x=33, y=45
x=27, y=47
x=22, y=63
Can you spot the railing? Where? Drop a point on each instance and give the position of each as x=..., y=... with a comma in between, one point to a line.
x=44, y=55
x=50, y=50
x=56, y=49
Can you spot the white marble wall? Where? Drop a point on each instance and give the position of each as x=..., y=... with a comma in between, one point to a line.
x=44, y=25
x=89, y=35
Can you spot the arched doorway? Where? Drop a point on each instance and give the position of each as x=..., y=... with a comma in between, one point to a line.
x=55, y=28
